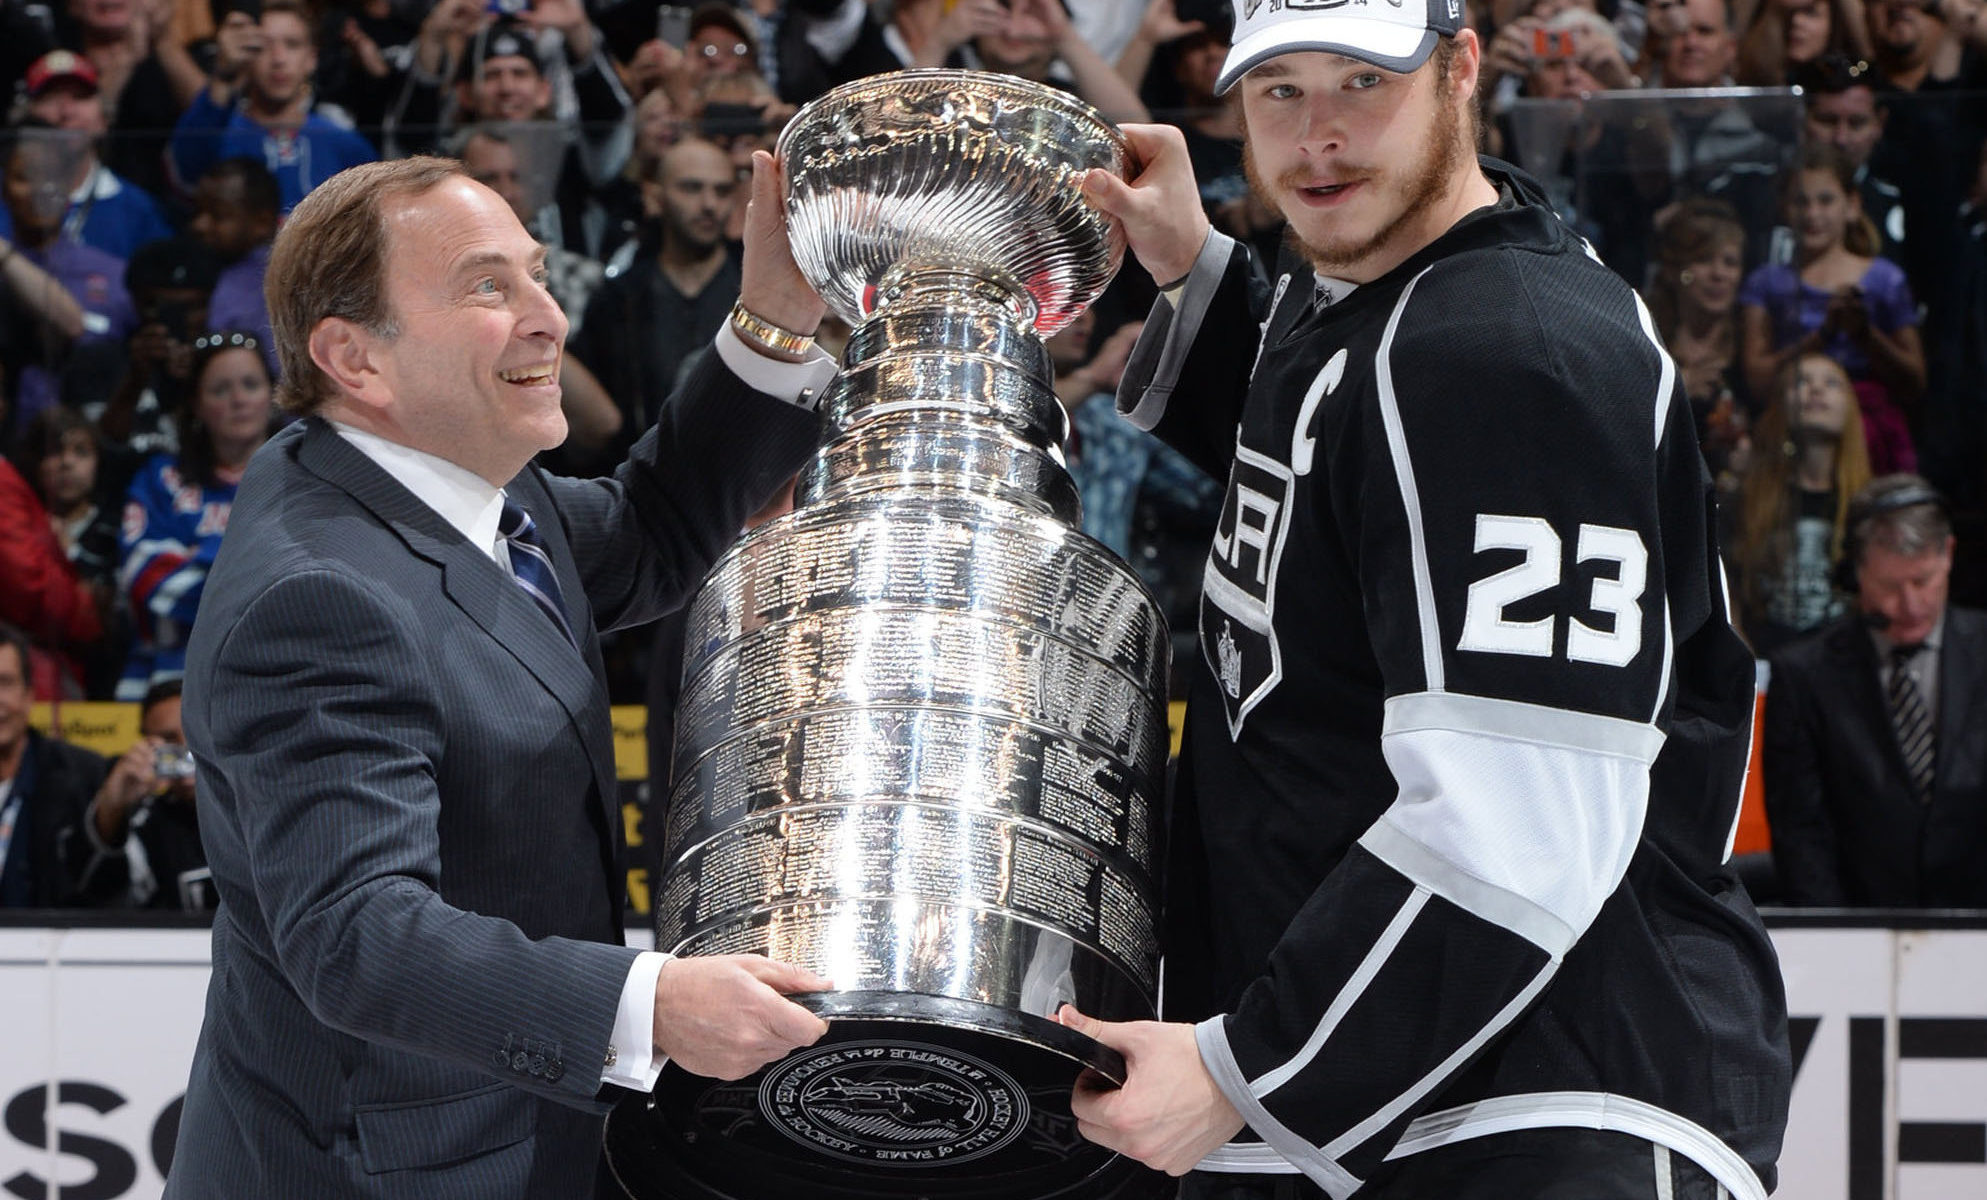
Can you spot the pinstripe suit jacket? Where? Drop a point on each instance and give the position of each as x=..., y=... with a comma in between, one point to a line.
x=407, y=796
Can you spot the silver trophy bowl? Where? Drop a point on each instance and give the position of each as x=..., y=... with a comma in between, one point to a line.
x=922, y=738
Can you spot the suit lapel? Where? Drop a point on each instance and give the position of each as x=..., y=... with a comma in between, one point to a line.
x=528, y=491
x=1857, y=661
x=481, y=588
x=1962, y=692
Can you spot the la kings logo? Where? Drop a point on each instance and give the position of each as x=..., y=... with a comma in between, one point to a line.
x=1238, y=589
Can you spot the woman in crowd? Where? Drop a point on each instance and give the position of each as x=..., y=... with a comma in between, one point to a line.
x=1793, y=506
x=1840, y=299
x=1694, y=300
x=178, y=506
x=1786, y=34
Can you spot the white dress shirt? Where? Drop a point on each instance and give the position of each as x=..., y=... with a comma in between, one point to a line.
x=473, y=506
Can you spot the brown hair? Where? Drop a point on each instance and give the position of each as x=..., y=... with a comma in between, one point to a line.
x=1859, y=236
x=298, y=9
x=1700, y=228
x=330, y=261
x=1766, y=504
x=1444, y=56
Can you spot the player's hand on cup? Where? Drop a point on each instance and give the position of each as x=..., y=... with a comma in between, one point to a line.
x=1169, y=1114
x=1160, y=207
x=726, y=1016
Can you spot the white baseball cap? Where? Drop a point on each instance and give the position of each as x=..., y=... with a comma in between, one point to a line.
x=1396, y=35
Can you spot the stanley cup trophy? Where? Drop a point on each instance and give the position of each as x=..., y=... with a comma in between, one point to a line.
x=922, y=731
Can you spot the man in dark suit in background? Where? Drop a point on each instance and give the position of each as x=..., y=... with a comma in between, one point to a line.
x=1876, y=727
x=395, y=698
x=45, y=785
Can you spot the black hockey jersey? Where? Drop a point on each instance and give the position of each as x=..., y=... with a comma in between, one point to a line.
x=1467, y=736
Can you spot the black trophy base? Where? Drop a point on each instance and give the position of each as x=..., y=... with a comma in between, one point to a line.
x=905, y=1097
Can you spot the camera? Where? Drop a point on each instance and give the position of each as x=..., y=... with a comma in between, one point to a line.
x=172, y=762
x=1552, y=43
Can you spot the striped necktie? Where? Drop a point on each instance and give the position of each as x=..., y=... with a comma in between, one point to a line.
x=1913, y=721
x=532, y=567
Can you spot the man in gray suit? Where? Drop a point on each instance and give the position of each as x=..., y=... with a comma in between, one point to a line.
x=395, y=697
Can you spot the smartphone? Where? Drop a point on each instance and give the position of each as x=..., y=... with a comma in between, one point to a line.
x=507, y=8
x=672, y=25
x=1552, y=43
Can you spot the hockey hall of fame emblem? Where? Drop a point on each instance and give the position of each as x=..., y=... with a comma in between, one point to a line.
x=887, y=1103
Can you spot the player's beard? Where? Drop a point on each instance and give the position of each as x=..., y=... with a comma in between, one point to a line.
x=1419, y=189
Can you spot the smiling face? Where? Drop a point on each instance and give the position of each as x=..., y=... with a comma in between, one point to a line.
x=471, y=373
x=1714, y=279
x=1819, y=210
x=510, y=87
x=1362, y=162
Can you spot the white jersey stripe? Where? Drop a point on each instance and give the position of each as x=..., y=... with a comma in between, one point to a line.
x=1584, y=1110
x=1666, y=384
x=1376, y=957
x=1390, y=415
x=1359, y=1134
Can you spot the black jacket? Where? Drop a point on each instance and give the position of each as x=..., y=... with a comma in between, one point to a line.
x=1466, y=739
x=1847, y=829
x=58, y=781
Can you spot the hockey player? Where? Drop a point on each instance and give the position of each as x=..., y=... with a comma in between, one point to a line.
x=1448, y=908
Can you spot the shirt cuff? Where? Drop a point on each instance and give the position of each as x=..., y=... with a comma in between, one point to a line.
x=799, y=383
x=632, y=1060
x=95, y=839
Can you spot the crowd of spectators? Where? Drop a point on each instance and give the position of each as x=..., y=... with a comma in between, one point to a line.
x=1798, y=188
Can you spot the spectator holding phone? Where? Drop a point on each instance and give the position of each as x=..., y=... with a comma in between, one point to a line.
x=1839, y=298
x=138, y=843
x=258, y=103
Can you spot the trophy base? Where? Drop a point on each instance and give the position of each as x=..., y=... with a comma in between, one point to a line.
x=905, y=1096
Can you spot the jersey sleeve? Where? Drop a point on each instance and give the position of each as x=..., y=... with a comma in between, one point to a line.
x=1189, y=373
x=1506, y=518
